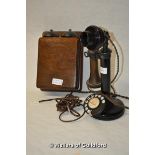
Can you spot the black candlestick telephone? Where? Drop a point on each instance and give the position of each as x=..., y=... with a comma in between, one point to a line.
x=102, y=105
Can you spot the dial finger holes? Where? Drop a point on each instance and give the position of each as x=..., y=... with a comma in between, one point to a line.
x=86, y=101
x=102, y=98
x=99, y=96
x=89, y=111
x=86, y=108
x=103, y=101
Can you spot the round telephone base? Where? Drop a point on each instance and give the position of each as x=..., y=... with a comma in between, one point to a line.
x=116, y=111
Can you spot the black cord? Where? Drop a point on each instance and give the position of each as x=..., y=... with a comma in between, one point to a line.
x=114, y=91
x=126, y=107
x=84, y=91
x=118, y=95
x=117, y=55
x=68, y=103
x=80, y=116
x=117, y=72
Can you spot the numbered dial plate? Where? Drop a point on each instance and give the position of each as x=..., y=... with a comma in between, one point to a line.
x=92, y=102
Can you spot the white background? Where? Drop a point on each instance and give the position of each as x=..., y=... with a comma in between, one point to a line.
x=13, y=87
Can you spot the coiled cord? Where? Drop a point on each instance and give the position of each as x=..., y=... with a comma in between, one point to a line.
x=68, y=103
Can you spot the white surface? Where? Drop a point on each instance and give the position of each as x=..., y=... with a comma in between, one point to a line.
x=43, y=126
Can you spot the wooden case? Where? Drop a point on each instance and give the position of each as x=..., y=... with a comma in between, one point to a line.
x=60, y=64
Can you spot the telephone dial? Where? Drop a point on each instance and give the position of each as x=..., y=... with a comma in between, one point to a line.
x=97, y=106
